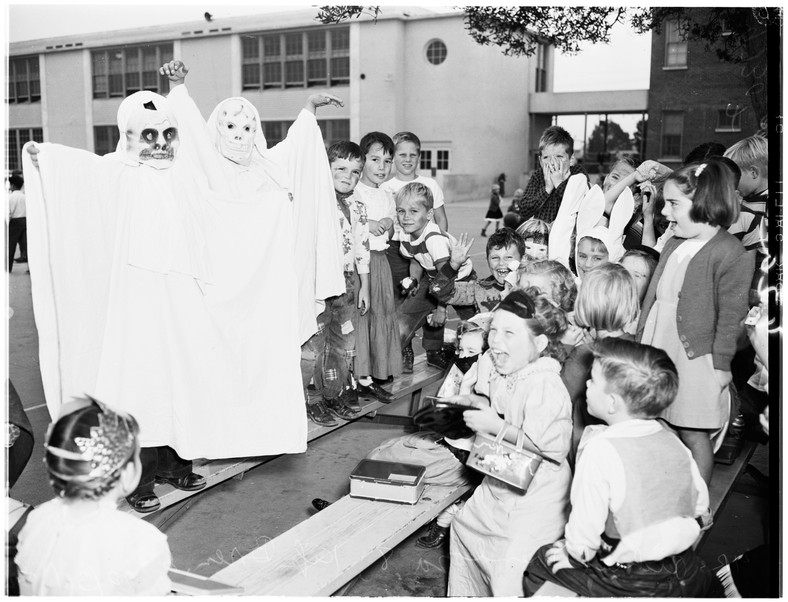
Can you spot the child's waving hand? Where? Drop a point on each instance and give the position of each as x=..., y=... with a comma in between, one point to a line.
x=458, y=250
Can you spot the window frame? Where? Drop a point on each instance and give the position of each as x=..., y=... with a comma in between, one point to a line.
x=23, y=70
x=431, y=56
x=674, y=29
x=263, y=68
x=112, y=135
x=664, y=155
x=732, y=123
x=110, y=72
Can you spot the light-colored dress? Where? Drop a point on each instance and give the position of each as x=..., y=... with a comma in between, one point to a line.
x=90, y=548
x=701, y=402
x=499, y=529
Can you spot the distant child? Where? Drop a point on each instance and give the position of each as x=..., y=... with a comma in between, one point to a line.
x=535, y=234
x=517, y=197
x=378, y=353
x=545, y=189
x=407, y=154
x=428, y=251
x=636, y=492
x=327, y=357
x=641, y=263
x=504, y=248
x=751, y=228
x=607, y=307
x=697, y=300
x=80, y=543
x=518, y=393
x=17, y=220
x=494, y=214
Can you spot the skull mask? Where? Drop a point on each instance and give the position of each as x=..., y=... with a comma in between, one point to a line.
x=152, y=138
x=236, y=127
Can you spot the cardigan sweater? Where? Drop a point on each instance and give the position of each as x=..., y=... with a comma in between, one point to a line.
x=713, y=298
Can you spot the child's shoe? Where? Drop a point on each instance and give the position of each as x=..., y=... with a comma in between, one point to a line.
x=434, y=537
x=407, y=360
x=438, y=359
x=316, y=409
x=340, y=409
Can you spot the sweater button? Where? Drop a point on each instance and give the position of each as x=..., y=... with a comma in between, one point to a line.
x=678, y=318
x=690, y=353
x=683, y=338
x=686, y=344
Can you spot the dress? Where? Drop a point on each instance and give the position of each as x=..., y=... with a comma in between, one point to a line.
x=90, y=548
x=499, y=529
x=378, y=351
x=701, y=402
x=494, y=210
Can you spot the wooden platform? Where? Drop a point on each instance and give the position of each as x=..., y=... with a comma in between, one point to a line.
x=407, y=389
x=321, y=554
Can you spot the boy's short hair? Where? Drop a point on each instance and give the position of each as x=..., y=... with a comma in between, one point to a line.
x=369, y=140
x=400, y=137
x=705, y=151
x=555, y=134
x=16, y=181
x=345, y=149
x=503, y=239
x=712, y=188
x=644, y=376
x=415, y=190
x=752, y=151
x=647, y=254
x=607, y=298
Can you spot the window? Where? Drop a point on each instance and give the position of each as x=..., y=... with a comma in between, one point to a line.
x=729, y=119
x=23, y=80
x=540, y=79
x=275, y=131
x=334, y=130
x=675, y=45
x=15, y=140
x=443, y=160
x=297, y=59
x=436, y=52
x=672, y=130
x=105, y=139
x=118, y=72
x=425, y=162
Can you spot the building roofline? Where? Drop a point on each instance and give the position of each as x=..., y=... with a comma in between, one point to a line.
x=287, y=19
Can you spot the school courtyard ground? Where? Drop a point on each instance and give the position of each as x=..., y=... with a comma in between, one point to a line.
x=221, y=524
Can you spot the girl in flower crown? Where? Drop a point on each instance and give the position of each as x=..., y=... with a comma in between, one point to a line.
x=696, y=301
x=80, y=544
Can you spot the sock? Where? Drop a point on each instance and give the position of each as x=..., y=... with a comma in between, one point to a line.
x=365, y=380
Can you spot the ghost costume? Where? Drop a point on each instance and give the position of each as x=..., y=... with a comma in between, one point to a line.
x=136, y=305
x=298, y=167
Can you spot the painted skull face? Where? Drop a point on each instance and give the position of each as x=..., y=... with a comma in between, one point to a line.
x=237, y=126
x=152, y=140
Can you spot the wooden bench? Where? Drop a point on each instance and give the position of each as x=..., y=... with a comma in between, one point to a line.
x=722, y=481
x=406, y=388
x=321, y=554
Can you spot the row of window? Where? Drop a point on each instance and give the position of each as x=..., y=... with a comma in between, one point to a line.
x=14, y=141
x=728, y=120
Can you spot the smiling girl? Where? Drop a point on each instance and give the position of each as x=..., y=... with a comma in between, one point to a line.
x=519, y=390
x=696, y=301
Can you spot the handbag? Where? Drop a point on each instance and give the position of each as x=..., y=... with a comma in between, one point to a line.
x=515, y=465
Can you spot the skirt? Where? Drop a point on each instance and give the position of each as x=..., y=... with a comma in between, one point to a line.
x=494, y=213
x=378, y=350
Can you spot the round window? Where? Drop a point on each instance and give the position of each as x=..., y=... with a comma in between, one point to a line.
x=436, y=52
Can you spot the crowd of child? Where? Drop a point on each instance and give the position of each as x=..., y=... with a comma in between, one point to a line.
x=605, y=357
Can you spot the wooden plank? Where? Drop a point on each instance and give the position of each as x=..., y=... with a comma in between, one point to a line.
x=218, y=471
x=319, y=555
x=724, y=476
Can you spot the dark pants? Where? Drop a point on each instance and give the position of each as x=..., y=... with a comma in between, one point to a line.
x=17, y=235
x=19, y=453
x=161, y=462
x=684, y=575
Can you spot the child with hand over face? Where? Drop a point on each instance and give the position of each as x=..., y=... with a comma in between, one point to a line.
x=637, y=494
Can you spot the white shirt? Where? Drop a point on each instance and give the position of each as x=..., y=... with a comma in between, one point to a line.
x=379, y=203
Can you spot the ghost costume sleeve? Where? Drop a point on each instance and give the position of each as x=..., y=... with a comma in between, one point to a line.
x=318, y=240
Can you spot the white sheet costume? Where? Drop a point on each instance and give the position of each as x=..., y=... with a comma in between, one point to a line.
x=139, y=300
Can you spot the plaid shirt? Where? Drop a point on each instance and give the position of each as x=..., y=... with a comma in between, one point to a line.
x=537, y=202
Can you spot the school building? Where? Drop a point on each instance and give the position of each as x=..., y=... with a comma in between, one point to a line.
x=411, y=70
x=694, y=97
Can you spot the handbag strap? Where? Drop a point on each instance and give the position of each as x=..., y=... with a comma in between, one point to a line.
x=525, y=442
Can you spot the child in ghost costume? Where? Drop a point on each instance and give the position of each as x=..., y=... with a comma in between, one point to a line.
x=231, y=150
x=144, y=312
